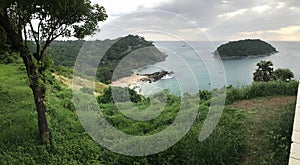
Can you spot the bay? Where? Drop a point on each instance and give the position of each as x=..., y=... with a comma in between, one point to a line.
x=196, y=68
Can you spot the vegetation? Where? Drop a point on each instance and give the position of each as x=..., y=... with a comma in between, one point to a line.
x=265, y=72
x=124, y=54
x=255, y=126
x=269, y=125
x=119, y=94
x=43, y=22
x=283, y=74
x=236, y=140
x=127, y=53
x=245, y=48
x=65, y=52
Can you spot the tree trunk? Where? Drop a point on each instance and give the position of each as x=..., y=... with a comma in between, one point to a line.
x=37, y=85
x=39, y=99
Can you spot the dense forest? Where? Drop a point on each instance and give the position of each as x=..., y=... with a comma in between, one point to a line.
x=245, y=48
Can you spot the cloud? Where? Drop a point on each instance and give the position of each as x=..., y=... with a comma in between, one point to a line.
x=219, y=19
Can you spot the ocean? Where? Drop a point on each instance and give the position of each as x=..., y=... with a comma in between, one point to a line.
x=195, y=67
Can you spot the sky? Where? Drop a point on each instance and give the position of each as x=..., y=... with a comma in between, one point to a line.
x=272, y=20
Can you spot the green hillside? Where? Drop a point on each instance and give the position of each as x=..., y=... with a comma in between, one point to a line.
x=256, y=128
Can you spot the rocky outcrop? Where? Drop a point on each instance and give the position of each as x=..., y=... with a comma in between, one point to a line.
x=157, y=76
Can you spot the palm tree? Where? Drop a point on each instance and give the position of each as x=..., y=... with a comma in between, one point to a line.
x=264, y=72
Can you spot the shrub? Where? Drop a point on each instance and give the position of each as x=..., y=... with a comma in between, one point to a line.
x=118, y=94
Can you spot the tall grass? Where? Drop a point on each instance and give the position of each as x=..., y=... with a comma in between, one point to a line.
x=262, y=89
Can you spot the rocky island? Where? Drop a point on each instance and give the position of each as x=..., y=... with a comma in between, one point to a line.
x=249, y=48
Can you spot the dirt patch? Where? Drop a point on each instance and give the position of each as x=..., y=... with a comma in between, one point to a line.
x=260, y=113
x=264, y=102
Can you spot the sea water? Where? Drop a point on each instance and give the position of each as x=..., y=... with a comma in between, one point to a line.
x=195, y=67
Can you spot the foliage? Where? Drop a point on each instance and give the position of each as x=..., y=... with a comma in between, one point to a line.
x=6, y=54
x=261, y=89
x=119, y=94
x=264, y=72
x=72, y=145
x=204, y=95
x=125, y=54
x=4, y=42
x=65, y=52
x=43, y=22
x=244, y=48
x=283, y=74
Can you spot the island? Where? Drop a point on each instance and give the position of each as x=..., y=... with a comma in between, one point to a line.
x=248, y=48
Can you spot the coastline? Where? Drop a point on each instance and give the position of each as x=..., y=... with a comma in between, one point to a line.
x=132, y=80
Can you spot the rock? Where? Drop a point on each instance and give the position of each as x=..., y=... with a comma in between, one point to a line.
x=156, y=76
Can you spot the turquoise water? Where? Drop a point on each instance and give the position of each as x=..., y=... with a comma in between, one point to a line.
x=195, y=67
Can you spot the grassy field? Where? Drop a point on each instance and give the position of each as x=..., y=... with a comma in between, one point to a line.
x=251, y=131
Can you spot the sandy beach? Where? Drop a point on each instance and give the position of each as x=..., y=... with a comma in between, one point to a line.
x=128, y=81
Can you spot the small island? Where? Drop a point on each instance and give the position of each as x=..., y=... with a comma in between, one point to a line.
x=249, y=48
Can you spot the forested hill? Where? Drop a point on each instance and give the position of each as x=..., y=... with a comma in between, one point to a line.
x=245, y=48
x=65, y=52
x=125, y=54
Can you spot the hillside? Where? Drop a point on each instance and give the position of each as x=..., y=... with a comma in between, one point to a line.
x=123, y=55
x=255, y=128
x=245, y=48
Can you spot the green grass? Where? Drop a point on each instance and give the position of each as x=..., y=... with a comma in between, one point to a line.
x=229, y=143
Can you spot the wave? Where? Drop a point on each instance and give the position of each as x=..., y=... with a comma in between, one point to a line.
x=168, y=76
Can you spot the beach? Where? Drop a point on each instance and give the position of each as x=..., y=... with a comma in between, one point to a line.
x=128, y=81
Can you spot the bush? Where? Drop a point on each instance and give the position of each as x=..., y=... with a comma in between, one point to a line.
x=87, y=90
x=283, y=74
x=118, y=94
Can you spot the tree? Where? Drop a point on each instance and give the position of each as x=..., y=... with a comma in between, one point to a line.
x=283, y=74
x=264, y=72
x=43, y=21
